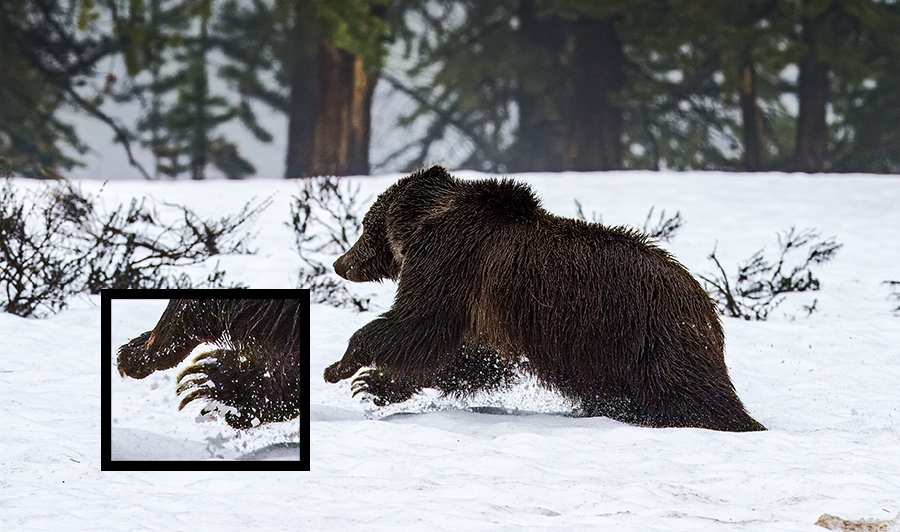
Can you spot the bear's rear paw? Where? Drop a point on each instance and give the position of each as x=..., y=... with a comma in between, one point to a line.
x=383, y=388
x=251, y=393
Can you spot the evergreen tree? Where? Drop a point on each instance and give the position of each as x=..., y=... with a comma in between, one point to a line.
x=859, y=43
x=516, y=84
x=845, y=48
x=51, y=49
x=33, y=139
x=182, y=117
x=868, y=137
x=746, y=46
x=685, y=84
x=492, y=73
x=44, y=61
x=167, y=22
x=673, y=101
x=317, y=62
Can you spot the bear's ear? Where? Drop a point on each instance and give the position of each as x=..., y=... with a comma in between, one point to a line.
x=434, y=174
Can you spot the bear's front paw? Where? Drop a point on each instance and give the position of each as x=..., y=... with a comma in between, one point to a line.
x=133, y=359
x=383, y=388
x=339, y=371
x=250, y=395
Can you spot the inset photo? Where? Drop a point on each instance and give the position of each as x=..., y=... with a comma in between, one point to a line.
x=215, y=378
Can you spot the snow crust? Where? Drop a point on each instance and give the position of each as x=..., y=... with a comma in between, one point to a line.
x=826, y=386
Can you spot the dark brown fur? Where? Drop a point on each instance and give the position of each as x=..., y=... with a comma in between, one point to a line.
x=488, y=281
x=256, y=371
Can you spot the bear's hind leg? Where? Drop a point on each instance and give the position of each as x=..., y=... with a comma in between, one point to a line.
x=474, y=369
x=618, y=408
x=716, y=410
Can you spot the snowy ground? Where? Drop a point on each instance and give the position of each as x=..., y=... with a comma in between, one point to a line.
x=825, y=385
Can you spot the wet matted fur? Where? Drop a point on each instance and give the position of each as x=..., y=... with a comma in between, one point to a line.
x=489, y=281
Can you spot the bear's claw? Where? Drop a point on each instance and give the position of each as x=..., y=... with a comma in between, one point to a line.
x=383, y=388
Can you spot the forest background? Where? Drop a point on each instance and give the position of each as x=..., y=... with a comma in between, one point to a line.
x=489, y=85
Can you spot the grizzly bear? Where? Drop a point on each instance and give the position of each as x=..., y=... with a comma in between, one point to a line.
x=255, y=371
x=489, y=285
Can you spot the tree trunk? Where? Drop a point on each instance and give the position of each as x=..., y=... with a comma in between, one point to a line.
x=200, y=130
x=360, y=119
x=329, y=118
x=333, y=111
x=538, y=145
x=304, y=96
x=343, y=119
x=594, y=124
x=812, y=92
x=750, y=116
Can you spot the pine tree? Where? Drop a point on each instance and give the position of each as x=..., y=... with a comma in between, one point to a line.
x=182, y=117
x=846, y=50
x=33, y=139
x=862, y=52
x=316, y=62
x=672, y=99
x=492, y=74
x=166, y=25
x=42, y=61
x=744, y=43
x=51, y=50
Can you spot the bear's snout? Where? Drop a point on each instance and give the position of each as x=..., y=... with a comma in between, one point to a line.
x=341, y=267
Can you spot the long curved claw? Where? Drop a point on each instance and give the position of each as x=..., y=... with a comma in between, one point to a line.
x=360, y=384
x=191, y=370
x=206, y=354
x=192, y=383
x=195, y=394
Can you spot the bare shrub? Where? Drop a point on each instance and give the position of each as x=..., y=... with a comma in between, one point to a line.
x=579, y=214
x=895, y=292
x=40, y=240
x=760, y=285
x=54, y=243
x=326, y=217
x=663, y=230
x=133, y=248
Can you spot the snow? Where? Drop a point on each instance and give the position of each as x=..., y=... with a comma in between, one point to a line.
x=824, y=384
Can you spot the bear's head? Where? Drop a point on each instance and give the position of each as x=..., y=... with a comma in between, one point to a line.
x=379, y=252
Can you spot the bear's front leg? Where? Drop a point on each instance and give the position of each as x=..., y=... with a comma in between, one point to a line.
x=184, y=325
x=359, y=351
x=407, y=347
x=370, y=346
x=145, y=354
